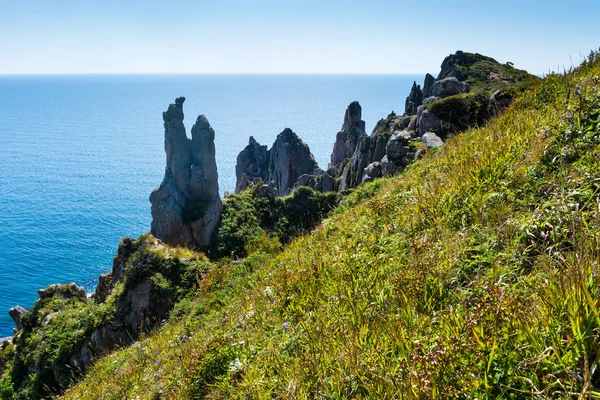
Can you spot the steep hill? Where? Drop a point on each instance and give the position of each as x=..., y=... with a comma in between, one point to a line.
x=474, y=273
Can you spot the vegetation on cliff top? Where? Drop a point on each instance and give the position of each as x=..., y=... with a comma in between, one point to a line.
x=472, y=274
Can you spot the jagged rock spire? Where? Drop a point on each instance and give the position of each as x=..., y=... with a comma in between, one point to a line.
x=353, y=131
x=186, y=208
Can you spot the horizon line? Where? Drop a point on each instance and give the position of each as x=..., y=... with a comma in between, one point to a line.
x=200, y=73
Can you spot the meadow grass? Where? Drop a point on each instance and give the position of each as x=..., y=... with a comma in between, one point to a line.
x=474, y=274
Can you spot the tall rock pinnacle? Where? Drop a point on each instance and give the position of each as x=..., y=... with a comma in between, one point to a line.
x=186, y=208
x=353, y=131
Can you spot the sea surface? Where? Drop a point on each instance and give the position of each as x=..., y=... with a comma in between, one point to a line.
x=79, y=156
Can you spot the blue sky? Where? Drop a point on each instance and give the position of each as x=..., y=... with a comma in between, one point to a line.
x=307, y=36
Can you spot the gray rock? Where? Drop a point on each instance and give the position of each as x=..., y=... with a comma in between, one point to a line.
x=432, y=140
x=428, y=121
x=352, y=132
x=16, y=314
x=187, y=207
x=253, y=162
x=430, y=100
x=449, y=87
x=388, y=167
x=323, y=183
x=289, y=159
x=414, y=100
x=372, y=171
x=397, y=147
x=371, y=149
x=429, y=81
x=412, y=126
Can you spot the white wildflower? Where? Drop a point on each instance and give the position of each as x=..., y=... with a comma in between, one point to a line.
x=268, y=291
x=236, y=366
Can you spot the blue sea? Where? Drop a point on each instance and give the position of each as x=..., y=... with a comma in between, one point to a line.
x=79, y=156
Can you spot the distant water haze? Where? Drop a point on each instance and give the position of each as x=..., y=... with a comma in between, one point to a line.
x=79, y=156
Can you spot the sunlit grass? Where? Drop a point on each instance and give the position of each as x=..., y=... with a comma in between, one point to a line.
x=472, y=275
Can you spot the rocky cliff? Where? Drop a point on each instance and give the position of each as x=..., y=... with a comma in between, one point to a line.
x=186, y=207
x=288, y=159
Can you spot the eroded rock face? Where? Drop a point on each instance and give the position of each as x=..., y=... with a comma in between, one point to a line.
x=449, y=87
x=289, y=159
x=253, y=163
x=16, y=314
x=352, y=132
x=186, y=208
x=429, y=81
x=414, y=100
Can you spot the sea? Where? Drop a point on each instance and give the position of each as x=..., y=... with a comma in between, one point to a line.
x=79, y=156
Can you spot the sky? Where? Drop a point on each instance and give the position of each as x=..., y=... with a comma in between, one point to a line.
x=283, y=36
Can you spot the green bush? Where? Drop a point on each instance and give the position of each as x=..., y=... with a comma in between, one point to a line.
x=247, y=217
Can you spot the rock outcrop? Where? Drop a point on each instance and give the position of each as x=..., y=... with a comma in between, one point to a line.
x=186, y=208
x=414, y=99
x=449, y=87
x=282, y=166
x=253, y=163
x=16, y=314
x=289, y=159
x=347, y=139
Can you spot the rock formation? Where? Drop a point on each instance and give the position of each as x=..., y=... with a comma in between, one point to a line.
x=253, y=163
x=186, y=208
x=289, y=159
x=414, y=99
x=352, y=132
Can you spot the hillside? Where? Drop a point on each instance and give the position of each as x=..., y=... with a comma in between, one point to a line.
x=472, y=274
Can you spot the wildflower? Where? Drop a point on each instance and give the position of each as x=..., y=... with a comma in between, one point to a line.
x=274, y=301
x=160, y=391
x=268, y=291
x=285, y=325
x=315, y=230
x=250, y=315
x=236, y=366
x=157, y=362
x=184, y=337
x=116, y=370
x=156, y=352
x=138, y=345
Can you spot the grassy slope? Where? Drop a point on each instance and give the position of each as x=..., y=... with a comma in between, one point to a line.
x=473, y=274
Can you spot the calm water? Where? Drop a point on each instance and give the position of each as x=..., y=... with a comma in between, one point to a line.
x=79, y=156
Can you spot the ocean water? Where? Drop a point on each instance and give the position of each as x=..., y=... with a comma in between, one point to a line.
x=79, y=156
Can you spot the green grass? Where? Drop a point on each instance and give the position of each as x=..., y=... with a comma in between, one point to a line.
x=474, y=274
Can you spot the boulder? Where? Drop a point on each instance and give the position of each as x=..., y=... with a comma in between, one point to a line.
x=352, y=132
x=16, y=314
x=186, y=208
x=252, y=162
x=449, y=87
x=289, y=159
x=430, y=100
x=428, y=121
x=372, y=171
x=323, y=183
x=432, y=140
x=397, y=147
